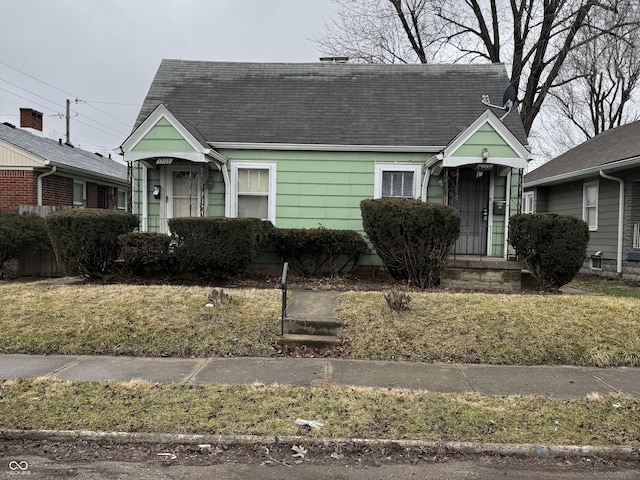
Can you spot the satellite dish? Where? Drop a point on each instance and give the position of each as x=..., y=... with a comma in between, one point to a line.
x=509, y=99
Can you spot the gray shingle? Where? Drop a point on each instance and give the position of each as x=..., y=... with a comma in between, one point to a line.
x=620, y=143
x=64, y=156
x=326, y=103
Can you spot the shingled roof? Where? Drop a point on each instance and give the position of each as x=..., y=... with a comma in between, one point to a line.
x=612, y=149
x=327, y=103
x=64, y=156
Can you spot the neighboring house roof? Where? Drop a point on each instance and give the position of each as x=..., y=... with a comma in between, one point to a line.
x=63, y=156
x=327, y=103
x=613, y=149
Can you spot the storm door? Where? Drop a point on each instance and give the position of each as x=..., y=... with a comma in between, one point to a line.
x=468, y=192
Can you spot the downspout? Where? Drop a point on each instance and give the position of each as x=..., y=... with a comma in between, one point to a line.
x=507, y=215
x=620, y=219
x=227, y=191
x=40, y=177
x=425, y=184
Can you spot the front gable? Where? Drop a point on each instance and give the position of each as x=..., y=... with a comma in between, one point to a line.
x=163, y=135
x=12, y=156
x=487, y=140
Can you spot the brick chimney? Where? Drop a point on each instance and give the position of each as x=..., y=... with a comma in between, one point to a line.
x=30, y=118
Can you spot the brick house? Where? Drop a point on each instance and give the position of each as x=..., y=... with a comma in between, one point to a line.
x=36, y=171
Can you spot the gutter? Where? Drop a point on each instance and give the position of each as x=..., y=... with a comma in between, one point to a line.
x=574, y=175
x=40, y=177
x=620, y=219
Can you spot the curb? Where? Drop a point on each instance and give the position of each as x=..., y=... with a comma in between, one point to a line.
x=531, y=450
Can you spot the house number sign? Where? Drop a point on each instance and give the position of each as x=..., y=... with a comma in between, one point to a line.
x=164, y=161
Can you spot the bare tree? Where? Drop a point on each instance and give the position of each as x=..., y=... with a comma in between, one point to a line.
x=604, y=76
x=534, y=37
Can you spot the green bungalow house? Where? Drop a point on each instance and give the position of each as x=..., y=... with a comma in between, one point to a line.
x=302, y=144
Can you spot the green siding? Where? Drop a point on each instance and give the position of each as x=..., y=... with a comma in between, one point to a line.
x=216, y=195
x=485, y=137
x=163, y=138
x=435, y=190
x=322, y=188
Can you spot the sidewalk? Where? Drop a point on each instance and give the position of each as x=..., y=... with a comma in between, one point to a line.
x=563, y=382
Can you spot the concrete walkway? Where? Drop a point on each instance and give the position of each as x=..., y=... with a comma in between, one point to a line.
x=555, y=381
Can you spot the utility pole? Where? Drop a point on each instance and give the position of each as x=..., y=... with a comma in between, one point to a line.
x=68, y=121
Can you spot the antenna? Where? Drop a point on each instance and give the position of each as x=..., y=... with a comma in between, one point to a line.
x=509, y=99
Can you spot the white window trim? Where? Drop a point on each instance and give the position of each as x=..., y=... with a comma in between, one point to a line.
x=118, y=192
x=584, y=203
x=271, y=166
x=84, y=194
x=396, y=167
x=528, y=197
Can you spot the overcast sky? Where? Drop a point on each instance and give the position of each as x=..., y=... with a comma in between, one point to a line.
x=104, y=53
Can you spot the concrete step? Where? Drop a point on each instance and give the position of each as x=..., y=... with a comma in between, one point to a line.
x=311, y=326
x=315, y=341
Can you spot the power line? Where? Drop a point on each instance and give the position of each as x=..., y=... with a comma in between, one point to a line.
x=104, y=113
x=114, y=103
x=29, y=91
x=36, y=79
x=119, y=134
x=24, y=98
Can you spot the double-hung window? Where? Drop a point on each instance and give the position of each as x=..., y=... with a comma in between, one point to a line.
x=527, y=202
x=590, y=205
x=396, y=180
x=79, y=196
x=121, y=199
x=253, y=190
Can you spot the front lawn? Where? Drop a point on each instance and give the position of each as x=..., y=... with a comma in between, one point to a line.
x=44, y=318
x=583, y=330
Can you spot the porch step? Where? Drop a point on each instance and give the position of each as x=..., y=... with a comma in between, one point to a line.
x=314, y=341
x=311, y=326
x=484, y=274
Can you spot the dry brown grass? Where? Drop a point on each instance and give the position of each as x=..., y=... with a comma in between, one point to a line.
x=497, y=329
x=39, y=317
x=346, y=412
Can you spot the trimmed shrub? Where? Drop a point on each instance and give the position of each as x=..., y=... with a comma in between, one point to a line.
x=215, y=248
x=86, y=240
x=146, y=253
x=20, y=233
x=553, y=247
x=311, y=251
x=413, y=238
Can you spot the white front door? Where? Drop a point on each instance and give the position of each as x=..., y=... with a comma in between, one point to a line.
x=184, y=193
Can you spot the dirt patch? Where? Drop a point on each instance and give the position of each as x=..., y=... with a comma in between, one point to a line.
x=336, y=454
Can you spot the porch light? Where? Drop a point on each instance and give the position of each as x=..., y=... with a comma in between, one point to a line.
x=485, y=154
x=156, y=191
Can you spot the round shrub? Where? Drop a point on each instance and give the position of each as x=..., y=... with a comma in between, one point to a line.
x=413, y=238
x=553, y=247
x=146, y=253
x=86, y=240
x=310, y=251
x=215, y=247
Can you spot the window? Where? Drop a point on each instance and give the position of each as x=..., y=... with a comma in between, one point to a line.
x=528, y=202
x=590, y=205
x=253, y=190
x=78, y=194
x=122, y=199
x=396, y=180
x=596, y=263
